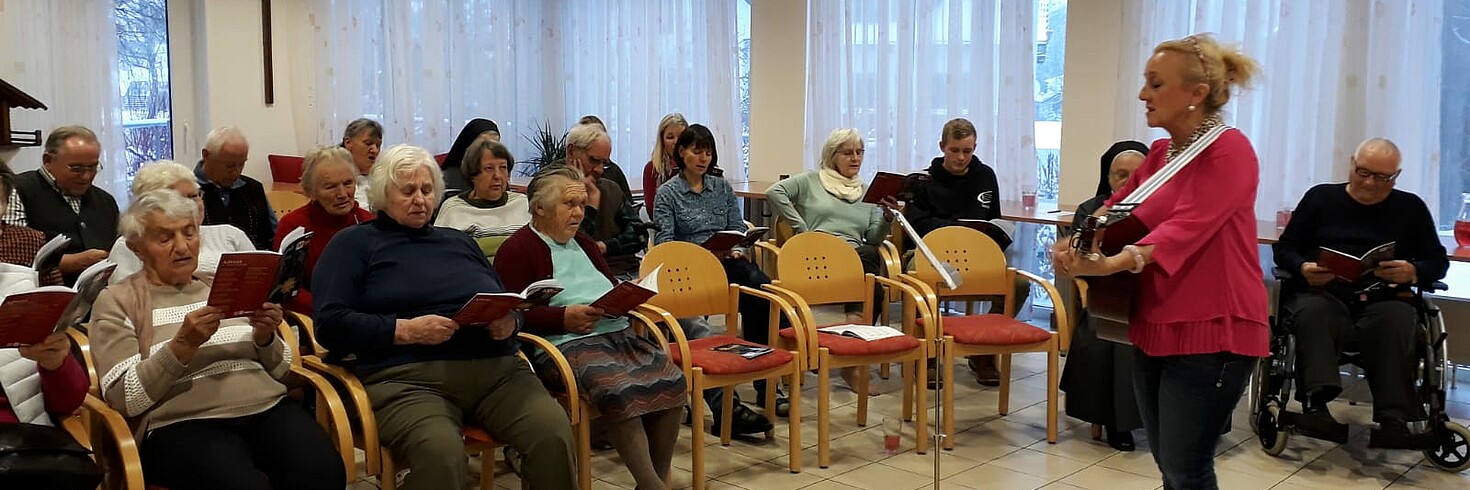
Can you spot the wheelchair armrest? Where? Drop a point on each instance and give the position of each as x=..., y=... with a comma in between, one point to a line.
x=1434, y=286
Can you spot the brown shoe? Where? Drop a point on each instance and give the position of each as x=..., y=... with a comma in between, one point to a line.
x=985, y=372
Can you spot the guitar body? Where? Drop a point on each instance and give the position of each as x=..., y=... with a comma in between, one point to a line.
x=1110, y=298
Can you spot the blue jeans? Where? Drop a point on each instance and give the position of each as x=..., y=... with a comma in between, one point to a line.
x=1185, y=402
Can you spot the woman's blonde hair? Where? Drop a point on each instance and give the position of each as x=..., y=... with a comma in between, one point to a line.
x=320, y=156
x=659, y=159
x=839, y=137
x=1220, y=67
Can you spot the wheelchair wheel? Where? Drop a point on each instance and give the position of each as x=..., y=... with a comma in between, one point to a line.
x=1269, y=431
x=1452, y=452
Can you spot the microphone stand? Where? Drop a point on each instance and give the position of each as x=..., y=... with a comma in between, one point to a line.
x=950, y=279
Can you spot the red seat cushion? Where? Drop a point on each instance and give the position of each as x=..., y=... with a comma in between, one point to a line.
x=723, y=363
x=842, y=345
x=440, y=158
x=992, y=329
x=286, y=168
x=476, y=434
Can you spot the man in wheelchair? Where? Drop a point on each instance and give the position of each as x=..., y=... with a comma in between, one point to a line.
x=1375, y=315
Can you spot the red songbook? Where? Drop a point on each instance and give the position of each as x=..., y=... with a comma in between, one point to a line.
x=28, y=317
x=723, y=241
x=488, y=307
x=885, y=185
x=246, y=280
x=1350, y=267
x=628, y=295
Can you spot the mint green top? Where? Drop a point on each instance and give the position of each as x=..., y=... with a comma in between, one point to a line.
x=571, y=266
x=802, y=201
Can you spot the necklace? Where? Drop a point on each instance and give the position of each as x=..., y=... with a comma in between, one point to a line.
x=1205, y=126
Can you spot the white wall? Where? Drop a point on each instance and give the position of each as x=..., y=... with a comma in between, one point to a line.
x=218, y=79
x=777, y=88
x=1090, y=78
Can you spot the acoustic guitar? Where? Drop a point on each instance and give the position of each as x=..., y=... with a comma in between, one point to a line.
x=1110, y=298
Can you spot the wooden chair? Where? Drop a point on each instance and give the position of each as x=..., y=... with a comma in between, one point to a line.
x=120, y=458
x=983, y=272
x=286, y=168
x=378, y=458
x=692, y=283
x=283, y=202
x=767, y=255
x=820, y=269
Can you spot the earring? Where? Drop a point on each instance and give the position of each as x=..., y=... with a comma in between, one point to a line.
x=1191, y=108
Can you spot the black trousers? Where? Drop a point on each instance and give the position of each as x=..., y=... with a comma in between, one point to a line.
x=280, y=448
x=1384, y=334
x=755, y=320
x=872, y=264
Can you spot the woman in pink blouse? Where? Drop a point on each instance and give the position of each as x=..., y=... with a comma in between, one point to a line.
x=1200, y=319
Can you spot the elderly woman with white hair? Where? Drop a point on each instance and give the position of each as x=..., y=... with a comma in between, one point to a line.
x=637, y=390
x=385, y=292
x=203, y=392
x=329, y=179
x=214, y=240
x=830, y=200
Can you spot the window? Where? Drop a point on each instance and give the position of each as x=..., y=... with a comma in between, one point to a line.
x=1454, y=153
x=142, y=73
x=742, y=45
x=1051, y=41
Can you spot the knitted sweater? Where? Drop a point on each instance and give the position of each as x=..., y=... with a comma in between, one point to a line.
x=489, y=226
x=228, y=377
x=214, y=241
x=802, y=201
x=376, y=273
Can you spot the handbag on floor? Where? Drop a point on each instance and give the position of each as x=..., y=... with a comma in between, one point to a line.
x=39, y=456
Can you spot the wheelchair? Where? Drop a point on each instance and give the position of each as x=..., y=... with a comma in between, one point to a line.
x=1272, y=384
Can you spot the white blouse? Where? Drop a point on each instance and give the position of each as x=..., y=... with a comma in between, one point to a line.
x=214, y=241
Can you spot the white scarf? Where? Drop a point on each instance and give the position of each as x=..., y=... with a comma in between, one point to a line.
x=847, y=189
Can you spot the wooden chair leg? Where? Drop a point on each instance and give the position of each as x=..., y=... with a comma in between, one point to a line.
x=696, y=435
x=824, y=405
x=948, y=377
x=921, y=395
x=388, y=477
x=793, y=423
x=584, y=447
x=862, y=393
x=909, y=391
x=1053, y=373
x=885, y=371
x=1004, y=366
x=727, y=414
x=487, y=469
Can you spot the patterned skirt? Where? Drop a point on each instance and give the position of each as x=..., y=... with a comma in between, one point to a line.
x=620, y=373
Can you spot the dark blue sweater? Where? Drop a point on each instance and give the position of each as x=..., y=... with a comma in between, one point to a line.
x=374, y=273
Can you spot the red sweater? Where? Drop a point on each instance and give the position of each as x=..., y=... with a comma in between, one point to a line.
x=324, y=226
x=651, y=183
x=524, y=258
x=63, y=390
x=1204, y=291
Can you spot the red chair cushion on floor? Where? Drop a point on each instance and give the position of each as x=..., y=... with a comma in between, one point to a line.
x=723, y=363
x=842, y=345
x=476, y=434
x=992, y=329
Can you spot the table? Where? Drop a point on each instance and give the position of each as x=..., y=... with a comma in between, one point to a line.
x=754, y=205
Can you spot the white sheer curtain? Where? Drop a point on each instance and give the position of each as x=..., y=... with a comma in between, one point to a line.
x=65, y=55
x=425, y=68
x=898, y=69
x=1334, y=73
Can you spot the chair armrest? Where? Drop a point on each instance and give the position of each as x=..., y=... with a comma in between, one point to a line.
x=917, y=309
x=654, y=315
x=351, y=389
x=765, y=253
x=778, y=305
x=338, y=426
x=564, y=371
x=926, y=290
x=308, y=333
x=643, y=325
x=804, y=324
x=892, y=258
x=83, y=346
x=1082, y=288
x=115, y=428
x=1064, y=323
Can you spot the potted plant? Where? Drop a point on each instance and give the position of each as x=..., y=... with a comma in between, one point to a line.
x=550, y=146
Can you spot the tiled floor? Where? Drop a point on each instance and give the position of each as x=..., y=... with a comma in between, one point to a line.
x=1010, y=452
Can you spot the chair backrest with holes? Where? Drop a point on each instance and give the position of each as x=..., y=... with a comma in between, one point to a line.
x=823, y=269
x=692, y=282
x=782, y=231
x=284, y=202
x=980, y=262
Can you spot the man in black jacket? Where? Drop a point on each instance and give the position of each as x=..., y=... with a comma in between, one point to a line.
x=59, y=199
x=229, y=197
x=610, y=218
x=1327, y=312
x=960, y=186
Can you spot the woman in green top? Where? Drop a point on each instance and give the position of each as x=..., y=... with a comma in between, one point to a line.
x=830, y=200
x=639, y=393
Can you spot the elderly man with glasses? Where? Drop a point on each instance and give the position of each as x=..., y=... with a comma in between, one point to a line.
x=59, y=199
x=1329, y=313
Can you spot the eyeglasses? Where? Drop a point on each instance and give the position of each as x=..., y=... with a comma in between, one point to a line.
x=84, y=169
x=1381, y=177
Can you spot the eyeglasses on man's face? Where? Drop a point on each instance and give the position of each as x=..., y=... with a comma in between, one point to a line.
x=84, y=169
x=1378, y=176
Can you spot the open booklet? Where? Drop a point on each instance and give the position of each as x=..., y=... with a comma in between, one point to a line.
x=28, y=316
x=997, y=229
x=723, y=241
x=49, y=255
x=866, y=332
x=1352, y=267
x=628, y=295
x=885, y=185
x=484, y=308
x=245, y=280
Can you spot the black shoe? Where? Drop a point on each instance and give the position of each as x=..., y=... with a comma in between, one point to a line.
x=1319, y=424
x=985, y=372
x=1396, y=435
x=783, y=404
x=743, y=421
x=1120, y=440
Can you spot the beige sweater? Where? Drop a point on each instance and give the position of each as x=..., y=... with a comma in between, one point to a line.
x=229, y=377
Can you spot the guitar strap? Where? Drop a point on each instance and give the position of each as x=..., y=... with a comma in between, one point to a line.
x=1171, y=169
